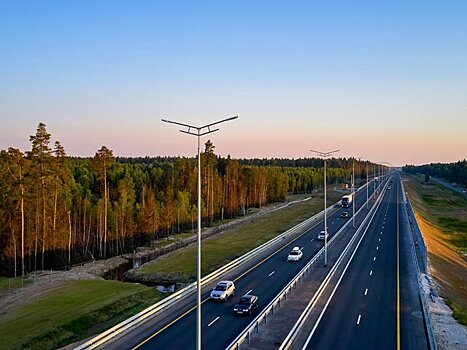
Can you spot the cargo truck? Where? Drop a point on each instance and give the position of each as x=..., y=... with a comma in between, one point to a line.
x=347, y=200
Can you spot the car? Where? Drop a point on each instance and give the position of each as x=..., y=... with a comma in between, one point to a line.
x=246, y=305
x=223, y=291
x=321, y=235
x=295, y=255
x=344, y=214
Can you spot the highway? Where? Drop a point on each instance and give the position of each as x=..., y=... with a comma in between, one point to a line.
x=219, y=325
x=377, y=305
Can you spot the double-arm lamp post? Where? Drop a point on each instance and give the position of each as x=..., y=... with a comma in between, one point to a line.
x=198, y=131
x=325, y=155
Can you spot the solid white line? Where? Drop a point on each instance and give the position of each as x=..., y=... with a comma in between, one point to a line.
x=249, y=291
x=366, y=291
x=359, y=317
x=209, y=325
x=371, y=272
x=374, y=259
x=272, y=273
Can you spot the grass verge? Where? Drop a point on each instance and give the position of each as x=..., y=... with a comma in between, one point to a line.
x=441, y=207
x=219, y=250
x=458, y=312
x=75, y=311
x=8, y=284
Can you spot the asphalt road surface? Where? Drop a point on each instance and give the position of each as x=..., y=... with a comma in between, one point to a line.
x=377, y=304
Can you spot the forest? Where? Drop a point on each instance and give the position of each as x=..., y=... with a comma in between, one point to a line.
x=58, y=210
x=453, y=172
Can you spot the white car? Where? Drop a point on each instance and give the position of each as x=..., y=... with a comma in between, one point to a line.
x=295, y=255
x=321, y=236
x=223, y=291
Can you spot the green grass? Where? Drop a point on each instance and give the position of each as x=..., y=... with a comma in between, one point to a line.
x=75, y=311
x=163, y=242
x=217, y=251
x=8, y=284
x=432, y=200
x=458, y=312
x=442, y=207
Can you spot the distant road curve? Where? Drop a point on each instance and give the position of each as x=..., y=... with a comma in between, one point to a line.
x=449, y=185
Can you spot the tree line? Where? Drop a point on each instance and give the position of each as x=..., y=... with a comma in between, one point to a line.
x=58, y=210
x=453, y=172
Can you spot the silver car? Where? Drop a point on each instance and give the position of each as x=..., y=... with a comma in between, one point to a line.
x=223, y=291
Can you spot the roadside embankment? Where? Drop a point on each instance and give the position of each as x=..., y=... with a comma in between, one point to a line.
x=441, y=215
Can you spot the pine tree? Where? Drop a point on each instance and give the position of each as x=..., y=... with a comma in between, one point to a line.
x=40, y=156
x=102, y=162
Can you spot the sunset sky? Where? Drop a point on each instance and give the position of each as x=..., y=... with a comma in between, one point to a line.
x=386, y=82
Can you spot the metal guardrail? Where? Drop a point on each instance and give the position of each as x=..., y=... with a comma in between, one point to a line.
x=425, y=308
x=269, y=309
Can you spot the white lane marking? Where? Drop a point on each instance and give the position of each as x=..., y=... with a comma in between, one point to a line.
x=272, y=273
x=359, y=317
x=379, y=240
x=302, y=248
x=366, y=291
x=371, y=272
x=312, y=240
x=374, y=259
x=377, y=248
x=249, y=291
x=381, y=233
x=332, y=223
x=212, y=322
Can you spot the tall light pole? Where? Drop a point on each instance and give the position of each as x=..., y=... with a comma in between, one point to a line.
x=374, y=181
x=354, y=197
x=199, y=131
x=324, y=155
x=367, y=204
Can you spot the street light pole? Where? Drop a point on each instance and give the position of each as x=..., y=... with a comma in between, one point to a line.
x=367, y=185
x=324, y=155
x=374, y=181
x=198, y=131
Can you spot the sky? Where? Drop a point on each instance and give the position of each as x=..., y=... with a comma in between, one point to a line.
x=385, y=81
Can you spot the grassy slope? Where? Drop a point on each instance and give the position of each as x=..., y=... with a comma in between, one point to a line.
x=8, y=284
x=221, y=249
x=72, y=312
x=442, y=207
x=442, y=215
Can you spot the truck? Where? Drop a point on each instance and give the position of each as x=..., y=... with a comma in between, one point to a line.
x=347, y=200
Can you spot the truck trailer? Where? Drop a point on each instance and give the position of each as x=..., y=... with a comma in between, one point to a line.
x=347, y=200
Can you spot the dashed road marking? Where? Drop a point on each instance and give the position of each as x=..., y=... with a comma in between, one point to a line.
x=366, y=291
x=272, y=273
x=212, y=322
x=377, y=248
x=249, y=291
x=358, y=320
x=311, y=240
x=374, y=259
x=371, y=272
